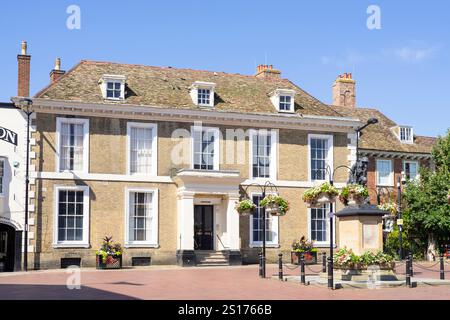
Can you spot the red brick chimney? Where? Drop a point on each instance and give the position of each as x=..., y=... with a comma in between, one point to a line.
x=56, y=73
x=267, y=72
x=23, y=76
x=344, y=91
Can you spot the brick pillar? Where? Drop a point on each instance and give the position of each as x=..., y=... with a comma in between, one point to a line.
x=23, y=76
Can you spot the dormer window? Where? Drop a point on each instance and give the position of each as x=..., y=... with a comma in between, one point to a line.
x=283, y=100
x=113, y=87
x=202, y=93
x=204, y=97
x=406, y=134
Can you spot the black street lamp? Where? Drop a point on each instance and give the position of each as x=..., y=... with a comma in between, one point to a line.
x=358, y=132
x=268, y=184
x=26, y=105
x=399, y=219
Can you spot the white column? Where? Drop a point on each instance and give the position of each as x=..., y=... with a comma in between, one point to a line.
x=233, y=223
x=185, y=239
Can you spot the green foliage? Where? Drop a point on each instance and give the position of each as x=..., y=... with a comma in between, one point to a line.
x=244, y=205
x=427, y=208
x=109, y=248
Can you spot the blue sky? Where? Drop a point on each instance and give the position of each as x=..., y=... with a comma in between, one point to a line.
x=403, y=69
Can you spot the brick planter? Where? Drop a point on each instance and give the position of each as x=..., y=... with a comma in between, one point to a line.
x=310, y=257
x=112, y=262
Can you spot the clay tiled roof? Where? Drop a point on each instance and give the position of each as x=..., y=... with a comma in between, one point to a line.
x=380, y=136
x=169, y=87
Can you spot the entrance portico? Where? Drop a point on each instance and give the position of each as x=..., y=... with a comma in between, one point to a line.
x=207, y=219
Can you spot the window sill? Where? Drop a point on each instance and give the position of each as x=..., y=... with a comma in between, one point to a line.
x=268, y=245
x=71, y=245
x=141, y=245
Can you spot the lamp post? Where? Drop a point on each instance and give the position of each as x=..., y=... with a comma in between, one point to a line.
x=26, y=105
x=399, y=219
x=263, y=188
x=358, y=132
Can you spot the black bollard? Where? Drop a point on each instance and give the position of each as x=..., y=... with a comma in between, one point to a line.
x=324, y=262
x=441, y=269
x=411, y=265
x=302, y=269
x=330, y=273
x=280, y=266
x=260, y=265
x=408, y=268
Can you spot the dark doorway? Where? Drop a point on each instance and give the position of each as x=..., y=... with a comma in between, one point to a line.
x=7, y=247
x=203, y=228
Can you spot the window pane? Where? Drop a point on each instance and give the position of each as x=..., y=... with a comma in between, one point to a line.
x=70, y=215
x=140, y=216
x=140, y=150
x=319, y=158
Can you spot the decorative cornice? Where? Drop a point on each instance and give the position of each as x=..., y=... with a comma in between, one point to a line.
x=165, y=113
x=394, y=154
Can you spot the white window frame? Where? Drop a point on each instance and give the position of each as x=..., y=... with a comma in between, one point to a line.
x=417, y=166
x=275, y=98
x=154, y=159
x=391, y=174
x=86, y=205
x=85, y=123
x=275, y=240
x=115, y=79
x=216, y=130
x=202, y=85
x=2, y=177
x=150, y=243
x=322, y=244
x=330, y=154
x=273, y=152
x=411, y=135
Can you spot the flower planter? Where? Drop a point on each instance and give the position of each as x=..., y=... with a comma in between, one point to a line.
x=310, y=257
x=112, y=262
x=246, y=212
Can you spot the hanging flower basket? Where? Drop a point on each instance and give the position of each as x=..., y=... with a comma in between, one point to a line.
x=390, y=207
x=245, y=207
x=318, y=196
x=353, y=195
x=275, y=205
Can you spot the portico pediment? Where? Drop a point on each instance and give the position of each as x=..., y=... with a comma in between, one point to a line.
x=208, y=181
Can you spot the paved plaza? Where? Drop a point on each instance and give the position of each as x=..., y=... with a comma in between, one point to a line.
x=170, y=282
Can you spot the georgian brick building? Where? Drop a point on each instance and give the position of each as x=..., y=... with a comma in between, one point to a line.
x=157, y=157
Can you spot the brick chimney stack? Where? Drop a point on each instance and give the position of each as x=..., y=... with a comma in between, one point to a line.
x=23, y=72
x=56, y=73
x=267, y=72
x=344, y=91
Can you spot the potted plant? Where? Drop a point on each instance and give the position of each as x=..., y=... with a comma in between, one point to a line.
x=109, y=256
x=353, y=194
x=275, y=205
x=320, y=195
x=345, y=259
x=305, y=247
x=245, y=207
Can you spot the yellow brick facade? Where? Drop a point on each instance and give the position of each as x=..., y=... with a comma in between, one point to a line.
x=108, y=155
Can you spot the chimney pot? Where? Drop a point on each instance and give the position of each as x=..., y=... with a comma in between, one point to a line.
x=23, y=72
x=344, y=91
x=56, y=73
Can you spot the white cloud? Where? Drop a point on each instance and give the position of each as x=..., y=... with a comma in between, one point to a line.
x=410, y=54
